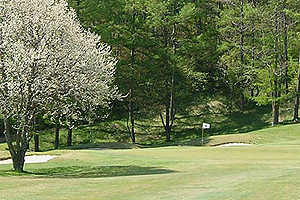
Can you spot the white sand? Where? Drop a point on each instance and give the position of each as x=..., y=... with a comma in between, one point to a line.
x=235, y=145
x=30, y=159
x=98, y=149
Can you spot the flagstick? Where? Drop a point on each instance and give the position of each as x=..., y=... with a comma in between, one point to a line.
x=204, y=126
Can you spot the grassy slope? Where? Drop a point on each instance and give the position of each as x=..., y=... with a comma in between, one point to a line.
x=150, y=131
x=280, y=135
x=269, y=170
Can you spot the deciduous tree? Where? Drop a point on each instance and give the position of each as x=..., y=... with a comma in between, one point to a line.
x=46, y=56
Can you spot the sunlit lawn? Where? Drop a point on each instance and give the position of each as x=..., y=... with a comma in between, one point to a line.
x=269, y=170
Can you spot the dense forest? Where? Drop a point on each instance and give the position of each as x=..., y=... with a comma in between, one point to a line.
x=173, y=54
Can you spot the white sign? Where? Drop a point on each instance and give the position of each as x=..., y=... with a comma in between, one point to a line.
x=205, y=126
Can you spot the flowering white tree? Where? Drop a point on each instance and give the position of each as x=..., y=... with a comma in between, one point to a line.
x=47, y=59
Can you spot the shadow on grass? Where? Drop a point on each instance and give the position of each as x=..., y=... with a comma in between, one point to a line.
x=89, y=172
x=103, y=145
x=150, y=134
x=187, y=130
x=230, y=123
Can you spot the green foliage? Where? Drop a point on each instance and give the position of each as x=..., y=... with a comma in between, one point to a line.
x=177, y=52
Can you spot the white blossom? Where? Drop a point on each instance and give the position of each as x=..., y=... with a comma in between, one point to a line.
x=49, y=61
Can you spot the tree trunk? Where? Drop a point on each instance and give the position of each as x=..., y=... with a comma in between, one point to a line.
x=242, y=36
x=198, y=29
x=220, y=5
x=69, y=139
x=286, y=57
x=130, y=119
x=8, y=135
x=131, y=101
x=275, y=106
x=168, y=121
x=296, y=108
x=253, y=48
x=36, y=143
x=277, y=84
x=17, y=152
x=168, y=135
x=242, y=101
x=56, y=144
x=242, y=53
x=91, y=132
x=167, y=124
x=132, y=126
x=18, y=160
x=169, y=116
x=252, y=92
x=169, y=101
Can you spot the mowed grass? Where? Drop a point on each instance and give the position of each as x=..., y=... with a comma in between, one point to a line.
x=280, y=135
x=270, y=169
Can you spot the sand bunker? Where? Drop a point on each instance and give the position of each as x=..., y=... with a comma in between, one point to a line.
x=30, y=159
x=235, y=145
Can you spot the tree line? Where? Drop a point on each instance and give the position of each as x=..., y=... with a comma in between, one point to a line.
x=260, y=51
x=172, y=53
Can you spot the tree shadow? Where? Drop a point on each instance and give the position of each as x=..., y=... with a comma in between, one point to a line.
x=230, y=123
x=70, y=172
x=102, y=145
x=187, y=130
